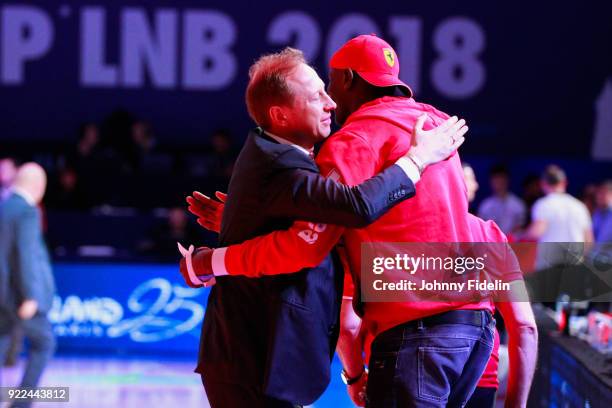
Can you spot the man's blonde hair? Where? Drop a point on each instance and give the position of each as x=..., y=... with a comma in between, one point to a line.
x=268, y=83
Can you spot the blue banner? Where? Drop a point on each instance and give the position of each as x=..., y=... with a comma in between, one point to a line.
x=531, y=78
x=126, y=308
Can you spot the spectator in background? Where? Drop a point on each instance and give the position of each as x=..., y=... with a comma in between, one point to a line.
x=26, y=281
x=142, y=145
x=142, y=136
x=8, y=170
x=87, y=145
x=66, y=193
x=522, y=328
x=223, y=156
x=116, y=147
x=177, y=228
x=602, y=222
x=116, y=132
x=589, y=197
x=86, y=156
x=532, y=191
x=85, y=153
x=471, y=183
x=507, y=210
x=557, y=217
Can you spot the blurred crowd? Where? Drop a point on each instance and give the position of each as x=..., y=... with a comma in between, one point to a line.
x=120, y=162
x=543, y=196
x=116, y=175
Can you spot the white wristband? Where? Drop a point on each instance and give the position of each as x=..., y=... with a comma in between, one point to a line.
x=218, y=262
x=410, y=168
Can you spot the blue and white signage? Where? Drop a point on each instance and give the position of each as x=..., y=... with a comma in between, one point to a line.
x=126, y=308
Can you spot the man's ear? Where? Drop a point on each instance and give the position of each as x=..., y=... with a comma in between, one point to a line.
x=348, y=78
x=278, y=115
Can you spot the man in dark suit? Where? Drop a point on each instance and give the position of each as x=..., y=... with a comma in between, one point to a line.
x=268, y=342
x=26, y=281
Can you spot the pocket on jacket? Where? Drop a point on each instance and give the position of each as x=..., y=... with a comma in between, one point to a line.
x=297, y=368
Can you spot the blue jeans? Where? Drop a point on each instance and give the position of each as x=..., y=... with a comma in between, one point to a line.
x=425, y=363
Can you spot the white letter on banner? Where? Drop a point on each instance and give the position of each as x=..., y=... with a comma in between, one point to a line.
x=27, y=34
x=153, y=48
x=347, y=27
x=407, y=32
x=459, y=41
x=301, y=25
x=208, y=63
x=93, y=40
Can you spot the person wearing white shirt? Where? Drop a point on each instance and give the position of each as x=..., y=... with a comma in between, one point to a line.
x=557, y=217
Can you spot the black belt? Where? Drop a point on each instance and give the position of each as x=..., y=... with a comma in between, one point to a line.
x=472, y=317
x=477, y=318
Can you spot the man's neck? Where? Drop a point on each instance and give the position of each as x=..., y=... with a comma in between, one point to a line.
x=358, y=101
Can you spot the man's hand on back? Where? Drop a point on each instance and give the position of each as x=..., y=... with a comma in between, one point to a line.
x=437, y=144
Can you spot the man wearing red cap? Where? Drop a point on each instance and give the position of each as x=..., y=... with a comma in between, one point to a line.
x=364, y=82
x=424, y=353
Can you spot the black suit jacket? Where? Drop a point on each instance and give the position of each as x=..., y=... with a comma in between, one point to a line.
x=278, y=333
x=25, y=267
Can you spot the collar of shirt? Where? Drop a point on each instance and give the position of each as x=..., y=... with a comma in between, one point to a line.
x=25, y=195
x=280, y=140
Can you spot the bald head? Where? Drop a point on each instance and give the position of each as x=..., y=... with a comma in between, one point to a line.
x=32, y=179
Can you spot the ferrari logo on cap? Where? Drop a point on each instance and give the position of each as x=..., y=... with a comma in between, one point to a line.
x=389, y=56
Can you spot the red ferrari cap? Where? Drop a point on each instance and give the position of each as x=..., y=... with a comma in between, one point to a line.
x=373, y=59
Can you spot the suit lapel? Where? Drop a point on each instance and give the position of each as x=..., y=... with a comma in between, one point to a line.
x=285, y=156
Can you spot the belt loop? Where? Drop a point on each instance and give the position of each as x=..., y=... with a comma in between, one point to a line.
x=483, y=319
x=420, y=324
